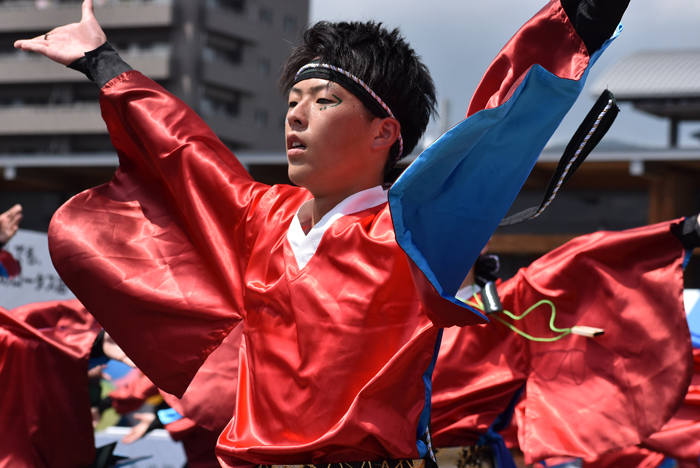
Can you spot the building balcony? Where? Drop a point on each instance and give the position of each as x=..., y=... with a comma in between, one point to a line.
x=24, y=67
x=43, y=16
x=83, y=118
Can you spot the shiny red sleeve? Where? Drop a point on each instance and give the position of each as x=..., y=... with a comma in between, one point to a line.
x=210, y=400
x=549, y=40
x=588, y=396
x=44, y=398
x=158, y=253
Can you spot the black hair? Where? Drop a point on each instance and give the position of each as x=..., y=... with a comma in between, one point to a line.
x=379, y=57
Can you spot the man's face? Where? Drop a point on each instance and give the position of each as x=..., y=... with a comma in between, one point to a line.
x=329, y=134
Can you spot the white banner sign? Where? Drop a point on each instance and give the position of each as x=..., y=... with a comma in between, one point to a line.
x=38, y=281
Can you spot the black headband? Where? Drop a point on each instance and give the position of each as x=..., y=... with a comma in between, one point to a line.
x=353, y=84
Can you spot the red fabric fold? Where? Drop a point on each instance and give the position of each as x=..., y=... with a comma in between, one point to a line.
x=549, y=40
x=44, y=399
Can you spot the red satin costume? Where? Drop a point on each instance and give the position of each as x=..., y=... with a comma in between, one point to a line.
x=182, y=245
x=207, y=406
x=44, y=399
x=583, y=396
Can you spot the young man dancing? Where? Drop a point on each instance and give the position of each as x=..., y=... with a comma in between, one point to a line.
x=342, y=288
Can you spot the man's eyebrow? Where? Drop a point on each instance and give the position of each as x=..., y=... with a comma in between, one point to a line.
x=314, y=89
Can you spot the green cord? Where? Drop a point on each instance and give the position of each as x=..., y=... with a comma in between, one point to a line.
x=563, y=331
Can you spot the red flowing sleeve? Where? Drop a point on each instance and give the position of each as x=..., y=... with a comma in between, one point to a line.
x=44, y=397
x=549, y=40
x=210, y=400
x=158, y=253
x=588, y=396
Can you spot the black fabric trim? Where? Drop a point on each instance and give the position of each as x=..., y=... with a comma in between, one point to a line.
x=101, y=65
x=595, y=21
x=348, y=83
x=155, y=424
x=574, y=144
x=688, y=232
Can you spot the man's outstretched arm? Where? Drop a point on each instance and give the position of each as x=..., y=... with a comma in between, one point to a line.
x=158, y=253
x=466, y=181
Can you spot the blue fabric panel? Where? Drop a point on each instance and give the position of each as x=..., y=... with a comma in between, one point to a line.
x=449, y=201
x=693, y=317
x=425, y=415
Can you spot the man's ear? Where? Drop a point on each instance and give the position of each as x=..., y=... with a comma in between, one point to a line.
x=386, y=133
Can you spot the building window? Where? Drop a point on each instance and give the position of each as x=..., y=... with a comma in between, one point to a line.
x=266, y=15
x=261, y=118
x=290, y=23
x=264, y=67
x=221, y=102
x=236, y=6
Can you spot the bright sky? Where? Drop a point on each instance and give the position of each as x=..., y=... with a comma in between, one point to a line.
x=458, y=40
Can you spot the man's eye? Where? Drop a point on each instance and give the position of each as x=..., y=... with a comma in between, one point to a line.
x=324, y=101
x=292, y=104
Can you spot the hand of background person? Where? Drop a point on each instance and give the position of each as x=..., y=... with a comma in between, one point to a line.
x=113, y=351
x=140, y=429
x=68, y=43
x=9, y=223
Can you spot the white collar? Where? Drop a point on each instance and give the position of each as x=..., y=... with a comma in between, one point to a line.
x=305, y=245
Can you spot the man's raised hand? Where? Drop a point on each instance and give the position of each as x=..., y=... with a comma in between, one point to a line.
x=9, y=223
x=68, y=43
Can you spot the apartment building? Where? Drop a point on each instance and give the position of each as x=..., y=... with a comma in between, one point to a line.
x=222, y=57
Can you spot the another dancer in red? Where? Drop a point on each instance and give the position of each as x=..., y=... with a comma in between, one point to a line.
x=583, y=396
x=44, y=397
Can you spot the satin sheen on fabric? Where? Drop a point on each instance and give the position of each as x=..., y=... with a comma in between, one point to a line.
x=584, y=396
x=44, y=399
x=182, y=245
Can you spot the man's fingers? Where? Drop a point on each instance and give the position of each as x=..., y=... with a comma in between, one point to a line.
x=88, y=11
x=32, y=45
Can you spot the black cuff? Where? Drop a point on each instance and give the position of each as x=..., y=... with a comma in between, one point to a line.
x=156, y=424
x=101, y=65
x=595, y=21
x=105, y=404
x=688, y=232
x=97, y=350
